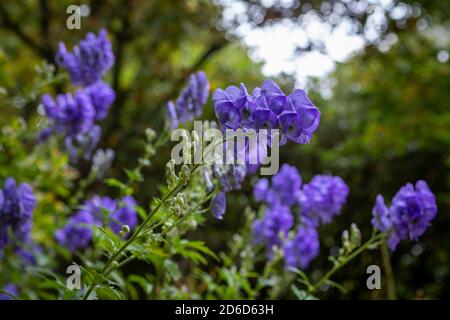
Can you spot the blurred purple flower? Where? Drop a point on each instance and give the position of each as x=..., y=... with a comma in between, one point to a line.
x=219, y=205
x=71, y=115
x=380, y=213
x=283, y=187
x=97, y=211
x=11, y=289
x=77, y=233
x=124, y=215
x=190, y=102
x=102, y=96
x=277, y=220
x=321, y=199
x=302, y=249
x=16, y=208
x=90, y=59
x=82, y=144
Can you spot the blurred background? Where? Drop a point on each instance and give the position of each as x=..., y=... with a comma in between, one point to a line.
x=378, y=70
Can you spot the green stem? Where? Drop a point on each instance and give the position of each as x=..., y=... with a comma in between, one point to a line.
x=371, y=242
x=136, y=234
x=390, y=280
x=130, y=240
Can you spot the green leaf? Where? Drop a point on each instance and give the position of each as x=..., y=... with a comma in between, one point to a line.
x=108, y=293
x=146, y=285
x=302, y=294
x=134, y=175
x=172, y=269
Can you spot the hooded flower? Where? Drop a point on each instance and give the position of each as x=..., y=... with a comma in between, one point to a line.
x=267, y=108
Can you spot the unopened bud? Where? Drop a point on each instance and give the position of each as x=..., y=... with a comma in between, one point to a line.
x=125, y=230
x=355, y=235
x=345, y=238
x=150, y=134
x=185, y=174
x=180, y=200
x=171, y=177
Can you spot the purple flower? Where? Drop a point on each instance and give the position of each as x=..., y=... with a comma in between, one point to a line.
x=321, y=199
x=89, y=61
x=82, y=144
x=124, y=215
x=77, y=233
x=411, y=212
x=11, y=289
x=102, y=161
x=275, y=97
x=98, y=211
x=226, y=107
x=380, y=212
x=300, y=119
x=302, y=249
x=219, y=205
x=100, y=208
x=267, y=108
x=102, y=96
x=70, y=115
x=261, y=189
x=277, y=220
x=191, y=100
x=16, y=208
x=285, y=185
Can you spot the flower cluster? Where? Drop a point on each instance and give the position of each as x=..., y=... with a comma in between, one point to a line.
x=316, y=203
x=267, y=108
x=321, y=199
x=89, y=61
x=303, y=248
x=16, y=208
x=75, y=115
x=190, y=102
x=410, y=214
x=98, y=211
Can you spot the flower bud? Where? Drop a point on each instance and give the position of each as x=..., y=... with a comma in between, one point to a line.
x=345, y=238
x=180, y=200
x=150, y=134
x=125, y=230
x=355, y=235
x=185, y=174
x=171, y=177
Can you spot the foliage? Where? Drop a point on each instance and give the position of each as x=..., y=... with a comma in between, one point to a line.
x=385, y=123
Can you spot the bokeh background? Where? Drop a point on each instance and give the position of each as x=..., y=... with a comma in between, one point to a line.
x=378, y=70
